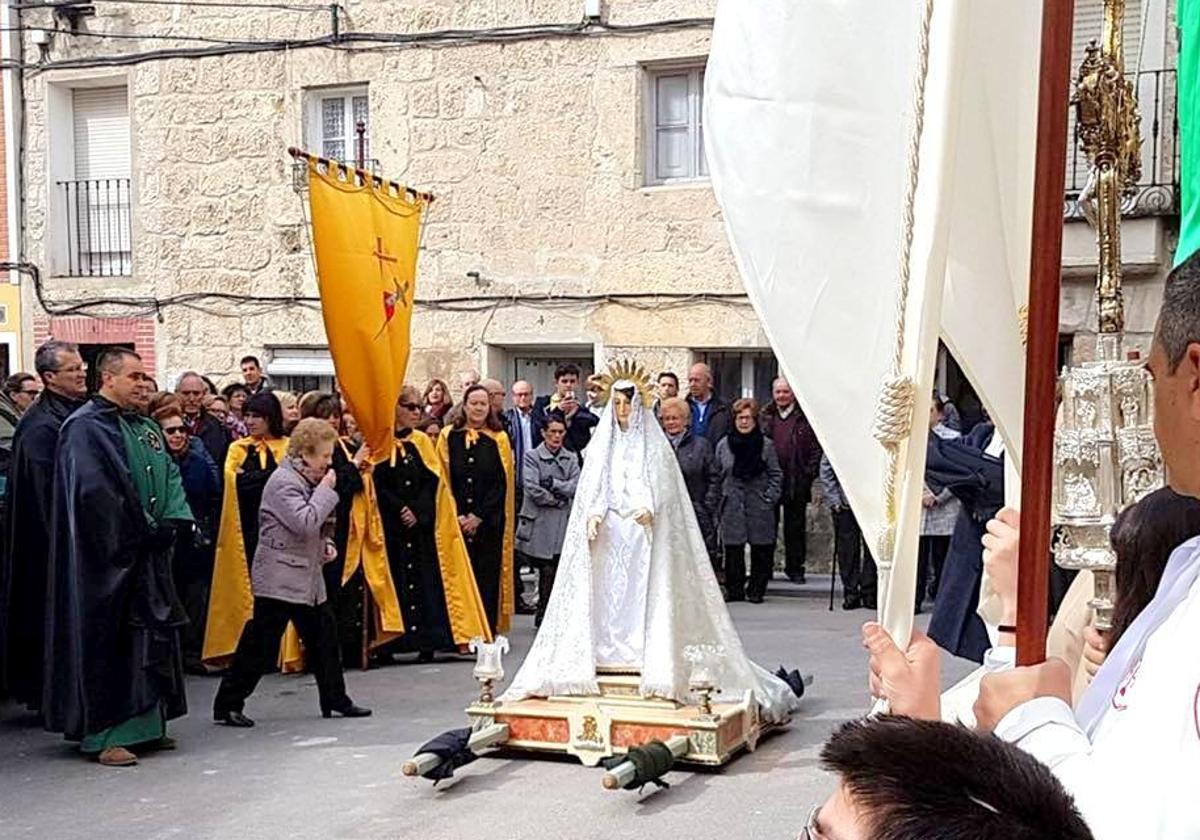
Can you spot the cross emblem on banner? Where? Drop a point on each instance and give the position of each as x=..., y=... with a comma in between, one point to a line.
x=396, y=294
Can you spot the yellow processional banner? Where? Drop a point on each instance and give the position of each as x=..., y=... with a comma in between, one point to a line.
x=366, y=238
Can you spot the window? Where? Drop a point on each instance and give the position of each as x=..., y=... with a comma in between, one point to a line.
x=332, y=119
x=538, y=370
x=94, y=192
x=674, y=124
x=301, y=369
x=739, y=374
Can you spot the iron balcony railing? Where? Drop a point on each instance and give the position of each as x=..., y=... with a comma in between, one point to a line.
x=1157, y=191
x=97, y=214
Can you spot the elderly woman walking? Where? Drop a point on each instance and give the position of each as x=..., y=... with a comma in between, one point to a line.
x=550, y=474
x=296, y=525
x=751, y=485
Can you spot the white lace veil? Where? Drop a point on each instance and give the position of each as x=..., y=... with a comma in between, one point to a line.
x=684, y=605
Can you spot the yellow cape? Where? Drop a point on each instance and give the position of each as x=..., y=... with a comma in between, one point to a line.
x=231, y=603
x=468, y=618
x=507, y=596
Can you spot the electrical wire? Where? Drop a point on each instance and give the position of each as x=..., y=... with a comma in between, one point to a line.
x=125, y=37
x=210, y=303
x=195, y=4
x=382, y=40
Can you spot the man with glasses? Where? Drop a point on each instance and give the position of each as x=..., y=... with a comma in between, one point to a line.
x=27, y=500
x=905, y=779
x=17, y=394
x=22, y=391
x=200, y=424
x=524, y=426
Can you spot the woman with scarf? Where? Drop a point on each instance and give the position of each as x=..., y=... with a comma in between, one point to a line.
x=477, y=458
x=751, y=484
x=437, y=399
x=235, y=395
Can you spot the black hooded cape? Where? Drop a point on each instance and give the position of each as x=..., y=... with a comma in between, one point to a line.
x=977, y=479
x=28, y=499
x=112, y=638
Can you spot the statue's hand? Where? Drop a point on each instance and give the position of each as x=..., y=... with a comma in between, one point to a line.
x=593, y=527
x=643, y=517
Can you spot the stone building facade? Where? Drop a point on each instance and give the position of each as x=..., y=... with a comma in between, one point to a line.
x=547, y=228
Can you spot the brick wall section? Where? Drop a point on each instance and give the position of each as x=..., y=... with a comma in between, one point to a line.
x=80, y=329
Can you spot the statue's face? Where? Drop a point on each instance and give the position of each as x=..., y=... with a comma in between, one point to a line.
x=622, y=408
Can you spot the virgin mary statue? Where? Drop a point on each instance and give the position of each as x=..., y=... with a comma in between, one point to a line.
x=635, y=588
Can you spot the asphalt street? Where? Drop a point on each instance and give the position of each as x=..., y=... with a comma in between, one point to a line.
x=296, y=775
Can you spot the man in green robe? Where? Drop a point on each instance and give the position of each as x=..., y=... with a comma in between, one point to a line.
x=114, y=673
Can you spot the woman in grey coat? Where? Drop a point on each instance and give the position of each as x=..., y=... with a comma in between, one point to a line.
x=751, y=485
x=549, y=475
x=295, y=539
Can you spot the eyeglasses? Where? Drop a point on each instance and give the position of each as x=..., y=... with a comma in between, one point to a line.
x=31, y=393
x=174, y=430
x=811, y=831
x=411, y=406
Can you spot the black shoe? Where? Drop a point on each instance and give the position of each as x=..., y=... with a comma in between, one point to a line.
x=852, y=602
x=347, y=711
x=800, y=577
x=731, y=597
x=425, y=656
x=754, y=599
x=869, y=604
x=233, y=719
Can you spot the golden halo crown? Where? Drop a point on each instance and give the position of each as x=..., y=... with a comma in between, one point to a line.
x=629, y=371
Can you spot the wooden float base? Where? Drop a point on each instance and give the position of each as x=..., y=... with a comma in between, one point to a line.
x=595, y=727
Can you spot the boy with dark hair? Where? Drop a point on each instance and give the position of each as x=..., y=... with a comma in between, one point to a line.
x=566, y=398
x=907, y=779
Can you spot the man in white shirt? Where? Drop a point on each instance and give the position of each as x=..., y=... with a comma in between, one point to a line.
x=1130, y=752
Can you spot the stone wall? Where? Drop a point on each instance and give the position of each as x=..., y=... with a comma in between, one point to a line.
x=533, y=149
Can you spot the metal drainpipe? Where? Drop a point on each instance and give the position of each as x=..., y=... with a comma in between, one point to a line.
x=14, y=147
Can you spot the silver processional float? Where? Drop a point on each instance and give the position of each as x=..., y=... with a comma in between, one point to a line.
x=1105, y=454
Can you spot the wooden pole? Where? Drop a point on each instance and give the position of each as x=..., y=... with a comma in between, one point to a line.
x=1041, y=359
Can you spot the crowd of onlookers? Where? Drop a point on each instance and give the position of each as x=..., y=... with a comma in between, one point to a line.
x=749, y=468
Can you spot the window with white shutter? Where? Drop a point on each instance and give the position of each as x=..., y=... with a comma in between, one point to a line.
x=331, y=123
x=98, y=200
x=674, y=124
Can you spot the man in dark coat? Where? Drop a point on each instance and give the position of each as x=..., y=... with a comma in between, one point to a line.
x=28, y=500
x=113, y=616
x=201, y=425
x=710, y=414
x=973, y=471
x=524, y=426
x=800, y=456
x=566, y=398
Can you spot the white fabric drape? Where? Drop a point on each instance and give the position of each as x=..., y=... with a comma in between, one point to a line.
x=647, y=592
x=809, y=113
